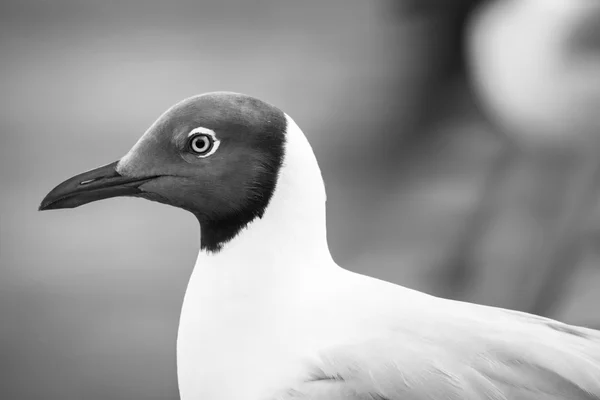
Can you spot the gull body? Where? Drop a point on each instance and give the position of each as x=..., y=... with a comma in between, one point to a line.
x=269, y=315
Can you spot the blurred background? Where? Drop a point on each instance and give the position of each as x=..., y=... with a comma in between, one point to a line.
x=459, y=142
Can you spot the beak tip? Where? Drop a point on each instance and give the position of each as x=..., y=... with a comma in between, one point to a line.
x=52, y=201
x=46, y=204
x=55, y=202
x=44, y=207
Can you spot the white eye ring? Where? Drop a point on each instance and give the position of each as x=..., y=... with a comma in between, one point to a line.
x=202, y=142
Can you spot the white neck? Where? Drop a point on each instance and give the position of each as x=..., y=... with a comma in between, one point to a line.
x=238, y=299
x=294, y=222
x=293, y=227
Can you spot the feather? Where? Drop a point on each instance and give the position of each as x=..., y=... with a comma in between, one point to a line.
x=460, y=351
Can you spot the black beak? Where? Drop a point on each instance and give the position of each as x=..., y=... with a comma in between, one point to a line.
x=97, y=184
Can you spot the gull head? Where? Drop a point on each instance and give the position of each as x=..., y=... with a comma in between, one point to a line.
x=216, y=155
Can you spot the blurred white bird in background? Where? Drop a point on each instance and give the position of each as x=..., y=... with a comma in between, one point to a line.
x=535, y=68
x=269, y=315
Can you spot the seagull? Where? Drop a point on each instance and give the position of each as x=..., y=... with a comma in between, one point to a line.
x=269, y=315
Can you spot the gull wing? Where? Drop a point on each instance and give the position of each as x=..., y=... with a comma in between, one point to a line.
x=473, y=353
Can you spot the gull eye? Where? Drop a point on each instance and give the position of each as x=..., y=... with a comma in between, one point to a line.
x=201, y=144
